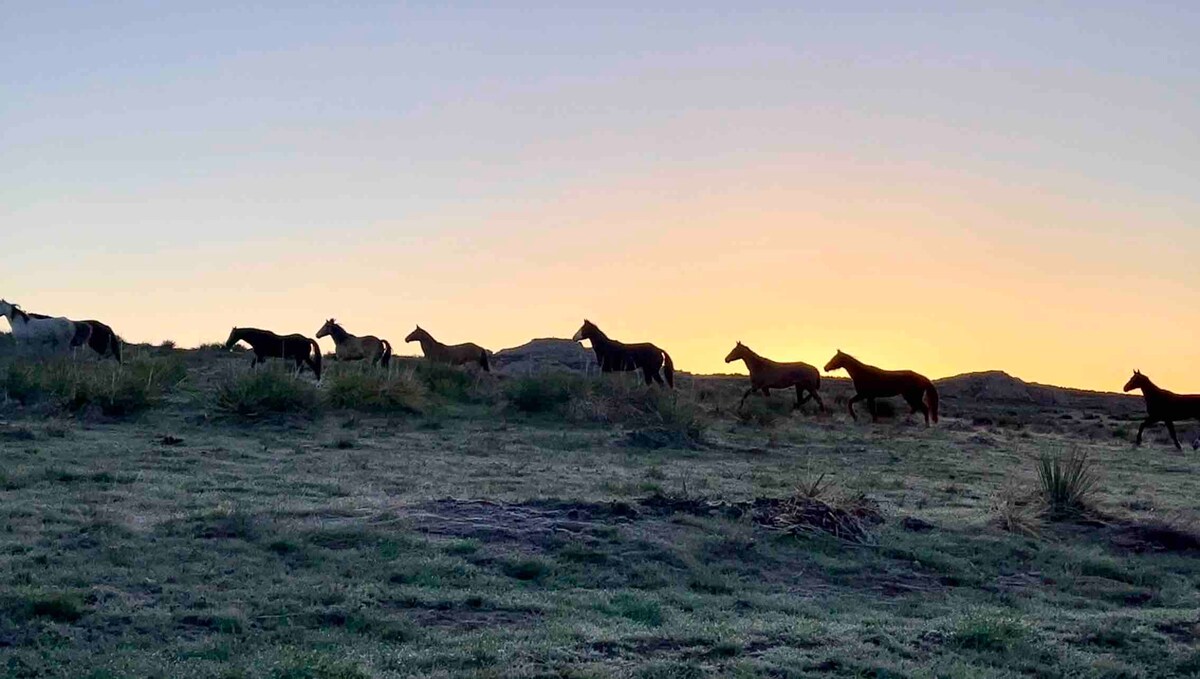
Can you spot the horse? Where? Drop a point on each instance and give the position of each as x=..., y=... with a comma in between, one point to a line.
x=766, y=374
x=452, y=354
x=354, y=348
x=1163, y=406
x=267, y=344
x=53, y=332
x=614, y=356
x=99, y=336
x=871, y=383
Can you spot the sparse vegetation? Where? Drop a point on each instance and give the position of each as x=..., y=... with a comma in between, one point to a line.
x=266, y=390
x=590, y=536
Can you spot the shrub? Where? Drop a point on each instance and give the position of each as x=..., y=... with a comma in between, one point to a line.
x=446, y=381
x=1018, y=512
x=1067, y=481
x=546, y=393
x=375, y=391
x=263, y=391
x=118, y=390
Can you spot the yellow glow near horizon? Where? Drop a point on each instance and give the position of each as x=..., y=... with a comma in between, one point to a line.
x=912, y=275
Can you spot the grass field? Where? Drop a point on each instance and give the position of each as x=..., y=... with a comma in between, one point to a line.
x=174, y=519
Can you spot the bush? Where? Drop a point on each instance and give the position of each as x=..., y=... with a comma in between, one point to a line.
x=546, y=393
x=265, y=390
x=1067, y=481
x=375, y=391
x=450, y=382
x=118, y=390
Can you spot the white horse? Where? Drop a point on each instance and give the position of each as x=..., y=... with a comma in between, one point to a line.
x=55, y=333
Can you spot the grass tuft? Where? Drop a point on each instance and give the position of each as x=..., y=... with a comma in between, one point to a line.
x=265, y=390
x=1067, y=481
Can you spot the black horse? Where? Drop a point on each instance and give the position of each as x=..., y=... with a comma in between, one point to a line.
x=99, y=336
x=614, y=356
x=267, y=344
x=1163, y=406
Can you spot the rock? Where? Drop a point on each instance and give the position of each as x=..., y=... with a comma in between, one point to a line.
x=541, y=355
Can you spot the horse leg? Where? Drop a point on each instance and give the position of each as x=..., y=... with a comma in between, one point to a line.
x=817, y=398
x=1171, y=429
x=917, y=405
x=1142, y=428
x=871, y=407
x=850, y=405
x=799, y=400
x=742, y=402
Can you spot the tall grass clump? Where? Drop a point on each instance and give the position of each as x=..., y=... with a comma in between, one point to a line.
x=551, y=392
x=264, y=391
x=1067, y=481
x=457, y=384
x=656, y=417
x=375, y=390
x=73, y=385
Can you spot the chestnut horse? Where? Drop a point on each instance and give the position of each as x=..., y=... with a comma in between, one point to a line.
x=766, y=374
x=354, y=348
x=267, y=344
x=1163, y=406
x=614, y=356
x=453, y=354
x=871, y=383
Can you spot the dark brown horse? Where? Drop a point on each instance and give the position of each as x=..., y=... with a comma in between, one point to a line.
x=453, y=354
x=267, y=344
x=96, y=335
x=614, y=356
x=1163, y=406
x=871, y=383
x=766, y=375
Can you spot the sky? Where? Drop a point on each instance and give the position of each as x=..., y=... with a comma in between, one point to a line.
x=941, y=187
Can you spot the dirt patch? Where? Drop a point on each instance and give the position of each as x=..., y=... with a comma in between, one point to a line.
x=539, y=521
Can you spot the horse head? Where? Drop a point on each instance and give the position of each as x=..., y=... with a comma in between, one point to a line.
x=839, y=360
x=327, y=328
x=586, y=331
x=1138, y=381
x=738, y=353
x=417, y=335
x=233, y=339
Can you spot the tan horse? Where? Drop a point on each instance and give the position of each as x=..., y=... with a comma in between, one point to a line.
x=354, y=348
x=766, y=375
x=453, y=354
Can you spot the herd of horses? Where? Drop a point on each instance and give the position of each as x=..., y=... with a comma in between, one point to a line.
x=870, y=383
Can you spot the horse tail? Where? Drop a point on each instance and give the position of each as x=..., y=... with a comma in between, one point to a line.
x=931, y=400
x=669, y=369
x=387, y=353
x=316, y=357
x=114, y=343
x=484, y=362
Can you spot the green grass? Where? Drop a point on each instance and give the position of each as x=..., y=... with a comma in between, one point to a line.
x=514, y=542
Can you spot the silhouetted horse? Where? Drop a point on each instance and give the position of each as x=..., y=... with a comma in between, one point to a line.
x=871, y=383
x=453, y=354
x=1163, y=406
x=267, y=344
x=766, y=374
x=354, y=348
x=96, y=335
x=614, y=356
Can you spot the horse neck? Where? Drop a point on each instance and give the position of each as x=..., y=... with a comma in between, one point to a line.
x=427, y=342
x=1150, y=389
x=854, y=366
x=598, y=338
x=338, y=333
x=752, y=359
